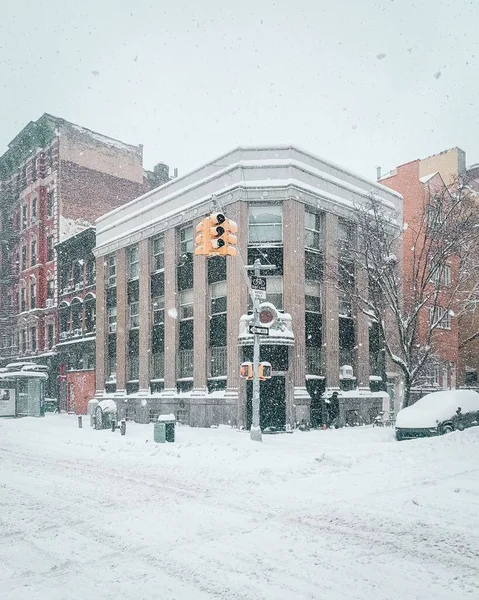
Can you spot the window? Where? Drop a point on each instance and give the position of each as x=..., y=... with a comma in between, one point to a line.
x=274, y=291
x=312, y=235
x=158, y=305
x=186, y=305
x=50, y=289
x=133, y=258
x=33, y=339
x=134, y=314
x=186, y=240
x=24, y=258
x=23, y=299
x=50, y=336
x=112, y=319
x=345, y=236
x=23, y=341
x=441, y=316
x=50, y=248
x=24, y=217
x=34, y=169
x=265, y=224
x=33, y=294
x=50, y=198
x=90, y=272
x=312, y=291
x=432, y=375
x=111, y=270
x=158, y=253
x=442, y=276
x=33, y=214
x=33, y=252
x=218, y=298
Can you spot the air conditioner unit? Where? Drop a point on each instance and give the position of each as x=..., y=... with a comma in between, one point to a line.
x=49, y=302
x=113, y=328
x=64, y=335
x=77, y=332
x=346, y=372
x=77, y=286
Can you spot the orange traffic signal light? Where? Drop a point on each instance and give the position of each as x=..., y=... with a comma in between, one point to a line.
x=223, y=238
x=265, y=371
x=246, y=370
x=202, y=240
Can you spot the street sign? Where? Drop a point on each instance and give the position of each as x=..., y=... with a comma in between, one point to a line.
x=258, y=286
x=258, y=283
x=255, y=329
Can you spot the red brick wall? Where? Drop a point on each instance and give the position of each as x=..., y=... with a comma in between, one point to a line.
x=88, y=194
x=83, y=383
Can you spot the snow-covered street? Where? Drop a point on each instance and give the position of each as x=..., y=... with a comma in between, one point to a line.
x=346, y=514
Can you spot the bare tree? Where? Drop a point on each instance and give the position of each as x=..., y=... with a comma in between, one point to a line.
x=439, y=281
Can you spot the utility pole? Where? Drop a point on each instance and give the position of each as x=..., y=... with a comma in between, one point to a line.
x=255, y=431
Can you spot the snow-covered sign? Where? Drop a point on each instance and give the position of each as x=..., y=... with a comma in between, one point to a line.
x=7, y=402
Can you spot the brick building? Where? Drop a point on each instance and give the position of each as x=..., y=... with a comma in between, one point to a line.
x=172, y=326
x=76, y=320
x=417, y=181
x=56, y=178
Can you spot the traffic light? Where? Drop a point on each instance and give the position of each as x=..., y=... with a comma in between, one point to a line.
x=246, y=370
x=202, y=240
x=223, y=240
x=264, y=371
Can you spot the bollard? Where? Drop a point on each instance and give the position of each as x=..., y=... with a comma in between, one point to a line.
x=93, y=421
x=113, y=425
x=80, y=424
x=123, y=427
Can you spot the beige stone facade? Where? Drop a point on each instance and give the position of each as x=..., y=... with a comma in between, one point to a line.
x=191, y=334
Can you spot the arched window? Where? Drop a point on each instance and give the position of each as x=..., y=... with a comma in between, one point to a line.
x=64, y=315
x=77, y=310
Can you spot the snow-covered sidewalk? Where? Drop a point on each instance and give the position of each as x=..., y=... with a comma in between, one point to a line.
x=346, y=514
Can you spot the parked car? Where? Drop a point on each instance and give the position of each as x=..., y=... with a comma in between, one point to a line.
x=438, y=413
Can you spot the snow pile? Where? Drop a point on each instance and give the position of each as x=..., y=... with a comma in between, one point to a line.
x=437, y=407
x=170, y=417
x=108, y=406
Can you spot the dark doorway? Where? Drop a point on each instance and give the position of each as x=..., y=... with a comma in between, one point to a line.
x=272, y=413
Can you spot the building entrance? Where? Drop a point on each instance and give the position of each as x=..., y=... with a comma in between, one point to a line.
x=272, y=414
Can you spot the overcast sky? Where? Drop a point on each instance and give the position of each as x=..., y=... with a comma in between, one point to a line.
x=360, y=82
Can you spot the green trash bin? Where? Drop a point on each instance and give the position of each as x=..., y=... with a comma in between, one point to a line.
x=164, y=429
x=159, y=433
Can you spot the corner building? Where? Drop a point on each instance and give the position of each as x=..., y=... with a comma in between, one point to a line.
x=172, y=327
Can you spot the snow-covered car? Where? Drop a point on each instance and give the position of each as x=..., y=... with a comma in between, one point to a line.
x=438, y=413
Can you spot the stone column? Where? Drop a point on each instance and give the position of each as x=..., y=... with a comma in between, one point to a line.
x=294, y=303
x=101, y=327
x=198, y=407
x=362, y=335
x=171, y=316
x=237, y=303
x=145, y=318
x=331, y=305
x=121, y=322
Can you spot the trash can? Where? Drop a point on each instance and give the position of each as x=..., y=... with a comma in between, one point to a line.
x=164, y=429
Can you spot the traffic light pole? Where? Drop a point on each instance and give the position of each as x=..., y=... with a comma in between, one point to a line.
x=255, y=431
